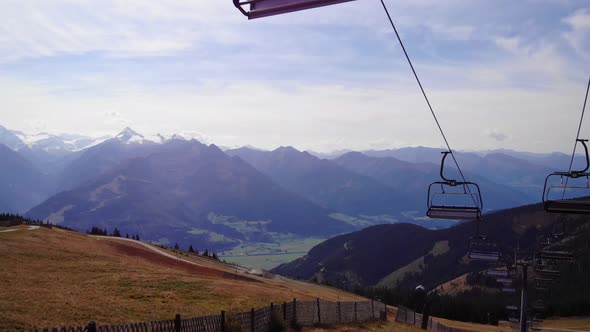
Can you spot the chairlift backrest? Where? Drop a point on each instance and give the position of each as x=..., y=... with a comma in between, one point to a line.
x=561, y=204
x=469, y=209
x=263, y=8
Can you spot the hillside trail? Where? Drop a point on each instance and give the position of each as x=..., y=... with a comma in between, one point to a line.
x=150, y=247
x=30, y=228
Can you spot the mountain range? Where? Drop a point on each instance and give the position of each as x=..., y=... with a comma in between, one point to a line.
x=170, y=189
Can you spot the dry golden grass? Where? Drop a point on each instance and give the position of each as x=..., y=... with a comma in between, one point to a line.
x=55, y=277
x=473, y=326
x=375, y=326
x=567, y=324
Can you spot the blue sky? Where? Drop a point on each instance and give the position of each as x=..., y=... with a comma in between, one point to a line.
x=501, y=74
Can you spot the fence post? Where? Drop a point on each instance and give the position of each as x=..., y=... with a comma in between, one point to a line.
x=272, y=310
x=294, y=310
x=91, y=327
x=355, y=312
x=339, y=312
x=177, y=323
x=222, y=320
x=284, y=311
x=372, y=310
x=384, y=311
x=252, y=320
x=319, y=315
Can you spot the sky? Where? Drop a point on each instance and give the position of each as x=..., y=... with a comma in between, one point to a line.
x=499, y=74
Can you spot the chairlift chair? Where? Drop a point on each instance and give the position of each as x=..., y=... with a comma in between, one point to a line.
x=504, y=280
x=444, y=210
x=555, y=255
x=480, y=248
x=539, y=306
x=512, y=307
x=543, y=282
x=563, y=205
x=263, y=8
x=496, y=272
x=549, y=271
x=508, y=290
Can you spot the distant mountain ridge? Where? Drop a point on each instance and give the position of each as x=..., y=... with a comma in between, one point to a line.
x=326, y=183
x=352, y=191
x=407, y=255
x=170, y=193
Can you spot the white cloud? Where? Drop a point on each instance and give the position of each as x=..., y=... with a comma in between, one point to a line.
x=496, y=134
x=580, y=19
x=579, y=34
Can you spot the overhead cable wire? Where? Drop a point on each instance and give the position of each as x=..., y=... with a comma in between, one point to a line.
x=425, y=96
x=577, y=138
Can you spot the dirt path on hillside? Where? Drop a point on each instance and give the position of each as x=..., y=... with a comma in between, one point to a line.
x=30, y=228
x=161, y=257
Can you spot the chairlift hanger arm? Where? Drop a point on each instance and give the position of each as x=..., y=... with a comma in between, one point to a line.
x=442, y=167
x=583, y=141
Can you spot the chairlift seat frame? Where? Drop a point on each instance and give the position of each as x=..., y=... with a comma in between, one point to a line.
x=568, y=206
x=497, y=273
x=264, y=8
x=557, y=255
x=448, y=211
x=483, y=250
x=547, y=272
x=504, y=280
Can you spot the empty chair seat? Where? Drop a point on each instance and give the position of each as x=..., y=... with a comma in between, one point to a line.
x=491, y=256
x=562, y=205
x=547, y=272
x=504, y=280
x=452, y=199
x=453, y=212
x=497, y=272
x=555, y=255
x=482, y=249
x=508, y=290
x=571, y=206
x=539, y=306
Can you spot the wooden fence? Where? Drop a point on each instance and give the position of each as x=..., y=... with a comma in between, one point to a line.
x=302, y=313
x=408, y=316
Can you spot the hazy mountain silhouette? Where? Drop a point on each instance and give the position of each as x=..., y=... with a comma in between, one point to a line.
x=173, y=190
x=326, y=183
x=21, y=184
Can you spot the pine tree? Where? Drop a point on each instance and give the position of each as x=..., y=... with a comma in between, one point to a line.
x=206, y=253
x=190, y=249
x=126, y=235
x=176, y=246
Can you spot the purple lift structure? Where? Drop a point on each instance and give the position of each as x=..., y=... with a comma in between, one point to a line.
x=263, y=8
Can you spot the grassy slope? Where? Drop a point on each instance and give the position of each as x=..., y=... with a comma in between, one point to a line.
x=439, y=248
x=568, y=324
x=55, y=277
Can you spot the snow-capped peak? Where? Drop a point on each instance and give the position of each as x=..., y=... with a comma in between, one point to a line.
x=130, y=136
